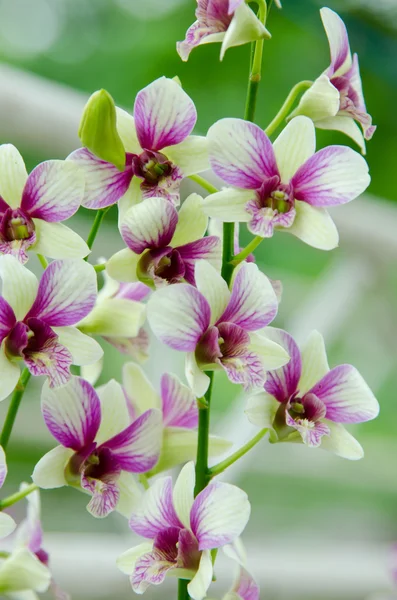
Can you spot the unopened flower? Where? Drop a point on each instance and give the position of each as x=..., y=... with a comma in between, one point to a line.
x=37, y=318
x=32, y=206
x=336, y=100
x=284, y=186
x=164, y=245
x=231, y=22
x=159, y=149
x=179, y=409
x=7, y=523
x=218, y=328
x=182, y=531
x=100, y=447
x=305, y=401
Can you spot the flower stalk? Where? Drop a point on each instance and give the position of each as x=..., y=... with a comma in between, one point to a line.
x=230, y=460
x=202, y=475
x=100, y=215
x=14, y=498
x=13, y=408
x=285, y=110
x=254, y=243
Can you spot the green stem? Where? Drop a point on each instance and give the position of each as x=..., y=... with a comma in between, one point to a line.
x=202, y=474
x=95, y=227
x=99, y=268
x=14, y=498
x=14, y=406
x=255, y=73
x=43, y=261
x=204, y=183
x=287, y=106
x=222, y=466
x=254, y=243
x=183, y=594
x=227, y=251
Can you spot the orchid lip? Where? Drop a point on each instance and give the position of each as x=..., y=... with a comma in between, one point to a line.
x=151, y=166
x=16, y=225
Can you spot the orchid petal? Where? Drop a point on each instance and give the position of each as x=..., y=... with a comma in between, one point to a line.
x=66, y=294
x=164, y=114
x=105, y=496
x=209, y=248
x=295, y=144
x=314, y=226
x=334, y=175
x=13, y=175
x=92, y=372
x=191, y=155
x=314, y=362
x=245, y=27
x=115, y=317
x=139, y=389
x=192, y=222
x=338, y=41
x=127, y=131
x=219, y=514
x=126, y=561
x=179, y=403
x=22, y=570
x=200, y=583
x=122, y=266
x=72, y=413
x=10, y=373
x=229, y=205
x=241, y=153
x=282, y=383
x=51, y=358
x=7, y=319
x=253, y=302
x=49, y=472
x=132, y=196
x=84, y=349
x=54, y=191
x=130, y=494
x=178, y=316
x=115, y=416
x=197, y=379
x=104, y=183
x=183, y=494
x=58, y=241
x=3, y=466
x=347, y=126
x=156, y=511
x=347, y=397
x=137, y=448
x=271, y=354
x=261, y=410
x=19, y=285
x=320, y=101
x=150, y=224
x=7, y=525
x=213, y=287
x=341, y=442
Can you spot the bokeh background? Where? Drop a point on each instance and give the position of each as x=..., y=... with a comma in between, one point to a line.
x=321, y=527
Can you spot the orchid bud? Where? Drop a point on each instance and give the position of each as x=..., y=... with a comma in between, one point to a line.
x=98, y=131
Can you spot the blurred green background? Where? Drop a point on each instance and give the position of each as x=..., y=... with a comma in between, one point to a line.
x=321, y=527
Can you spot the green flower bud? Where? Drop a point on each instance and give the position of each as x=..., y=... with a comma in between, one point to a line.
x=98, y=131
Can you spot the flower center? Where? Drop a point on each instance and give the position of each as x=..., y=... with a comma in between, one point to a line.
x=161, y=265
x=16, y=225
x=152, y=166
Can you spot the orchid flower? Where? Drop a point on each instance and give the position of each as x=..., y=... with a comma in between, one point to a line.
x=7, y=523
x=100, y=447
x=36, y=320
x=182, y=531
x=284, y=186
x=119, y=316
x=231, y=22
x=32, y=207
x=179, y=408
x=22, y=574
x=218, y=328
x=336, y=100
x=164, y=245
x=160, y=151
x=244, y=586
x=305, y=401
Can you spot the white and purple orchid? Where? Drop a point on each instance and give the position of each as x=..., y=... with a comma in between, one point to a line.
x=164, y=245
x=244, y=587
x=231, y=22
x=33, y=206
x=182, y=531
x=336, y=100
x=160, y=151
x=218, y=328
x=100, y=447
x=37, y=320
x=305, y=401
x=285, y=185
x=179, y=408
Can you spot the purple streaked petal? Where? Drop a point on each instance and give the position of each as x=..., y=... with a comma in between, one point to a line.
x=168, y=187
x=151, y=568
x=104, y=183
x=150, y=224
x=253, y=302
x=67, y=293
x=166, y=543
x=219, y=515
x=54, y=191
x=241, y=153
x=105, y=495
x=17, y=340
x=246, y=369
x=346, y=396
x=157, y=511
x=315, y=408
x=72, y=413
x=137, y=448
x=245, y=586
x=334, y=175
x=264, y=220
x=7, y=318
x=132, y=291
x=178, y=316
x=164, y=114
x=282, y=383
x=338, y=40
x=179, y=403
x=311, y=432
x=18, y=248
x=208, y=248
x=3, y=206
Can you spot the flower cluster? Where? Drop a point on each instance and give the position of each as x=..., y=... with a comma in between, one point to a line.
x=184, y=273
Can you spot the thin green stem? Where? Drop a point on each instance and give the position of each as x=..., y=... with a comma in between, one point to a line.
x=227, y=251
x=222, y=466
x=95, y=227
x=254, y=243
x=14, y=498
x=43, y=261
x=13, y=407
x=202, y=475
x=204, y=183
x=99, y=268
x=255, y=73
x=287, y=106
x=183, y=594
